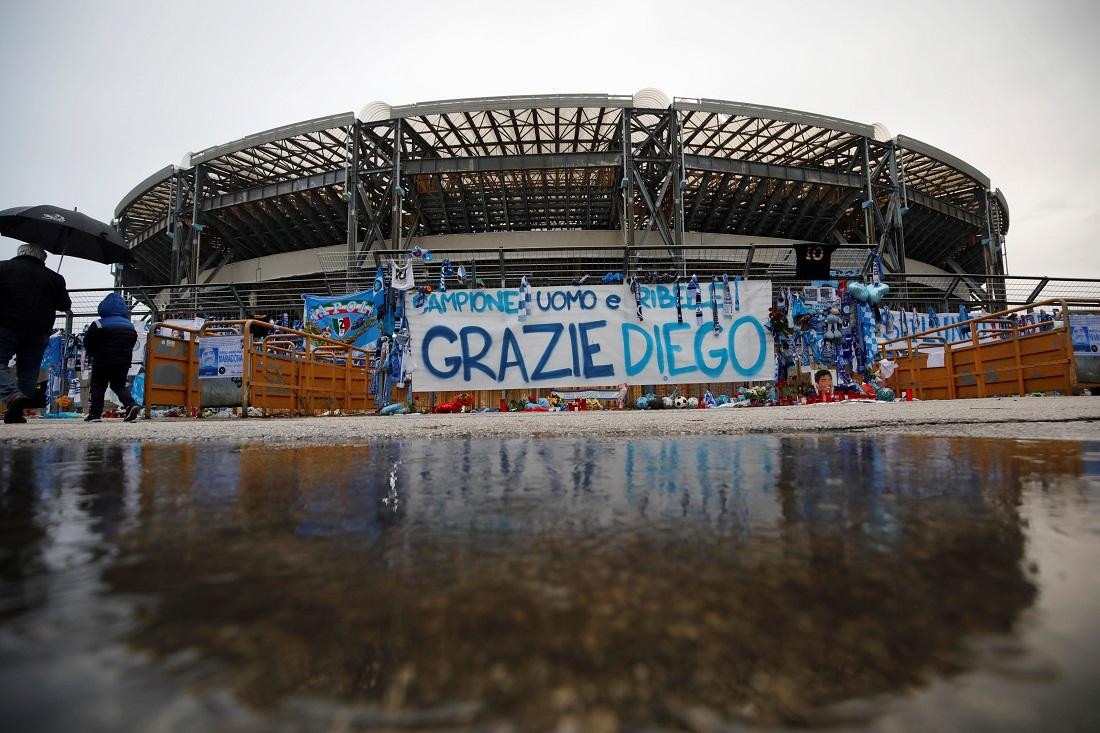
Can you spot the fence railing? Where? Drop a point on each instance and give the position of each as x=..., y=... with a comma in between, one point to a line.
x=563, y=265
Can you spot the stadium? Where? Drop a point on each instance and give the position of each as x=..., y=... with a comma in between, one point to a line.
x=557, y=187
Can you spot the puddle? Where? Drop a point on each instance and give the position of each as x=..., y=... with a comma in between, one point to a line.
x=692, y=583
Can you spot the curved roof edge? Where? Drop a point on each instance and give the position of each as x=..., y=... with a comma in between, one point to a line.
x=552, y=100
x=276, y=133
x=775, y=113
x=1003, y=203
x=944, y=157
x=482, y=104
x=161, y=175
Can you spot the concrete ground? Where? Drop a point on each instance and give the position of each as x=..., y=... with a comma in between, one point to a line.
x=1070, y=418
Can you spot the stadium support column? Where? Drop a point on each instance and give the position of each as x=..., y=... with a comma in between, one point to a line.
x=398, y=195
x=194, y=237
x=626, y=190
x=375, y=184
x=679, y=183
x=627, y=184
x=649, y=154
x=994, y=266
x=883, y=226
x=351, y=180
x=175, y=225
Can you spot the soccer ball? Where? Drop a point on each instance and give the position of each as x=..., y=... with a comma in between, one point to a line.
x=693, y=402
x=666, y=402
x=681, y=403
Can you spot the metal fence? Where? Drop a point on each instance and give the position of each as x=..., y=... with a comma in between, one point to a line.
x=563, y=265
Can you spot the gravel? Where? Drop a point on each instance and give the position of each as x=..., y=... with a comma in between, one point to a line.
x=1071, y=418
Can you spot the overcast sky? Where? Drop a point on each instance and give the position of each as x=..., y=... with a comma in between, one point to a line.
x=97, y=96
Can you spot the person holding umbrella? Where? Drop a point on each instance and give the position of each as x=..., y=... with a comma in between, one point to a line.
x=30, y=295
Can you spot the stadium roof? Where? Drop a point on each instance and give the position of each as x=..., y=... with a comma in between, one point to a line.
x=557, y=162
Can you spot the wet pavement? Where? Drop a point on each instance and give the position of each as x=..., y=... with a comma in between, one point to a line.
x=1074, y=418
x=699, y=583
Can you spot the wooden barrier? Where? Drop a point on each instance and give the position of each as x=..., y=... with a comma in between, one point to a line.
x=286, y=371
x=997, y=358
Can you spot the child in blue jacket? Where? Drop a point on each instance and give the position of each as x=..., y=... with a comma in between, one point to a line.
x=109, y=344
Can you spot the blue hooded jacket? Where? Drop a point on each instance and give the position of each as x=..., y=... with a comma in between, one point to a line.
x=110, y=340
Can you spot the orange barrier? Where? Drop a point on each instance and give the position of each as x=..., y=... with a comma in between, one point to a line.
x=285, y=371
x=999, y=357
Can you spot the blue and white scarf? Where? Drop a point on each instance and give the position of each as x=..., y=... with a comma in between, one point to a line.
x=524, y=298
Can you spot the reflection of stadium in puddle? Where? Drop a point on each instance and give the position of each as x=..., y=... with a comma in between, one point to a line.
x=758, y=577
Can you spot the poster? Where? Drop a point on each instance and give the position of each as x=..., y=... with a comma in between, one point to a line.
x=585, y=336
x=221, y=356
x=1084, y=330
x=349, y=318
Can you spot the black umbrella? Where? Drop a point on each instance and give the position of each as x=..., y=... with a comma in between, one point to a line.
x=65, y=232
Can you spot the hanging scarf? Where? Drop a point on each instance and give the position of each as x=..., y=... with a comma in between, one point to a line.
x=636, y=291
x=693, y=287
x=524, y=298
x=736, y=293
x=714, y=304
x=727, y=301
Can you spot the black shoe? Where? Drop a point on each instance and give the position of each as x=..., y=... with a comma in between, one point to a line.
x=132, y=414
x=13, y=415
x=93, y=418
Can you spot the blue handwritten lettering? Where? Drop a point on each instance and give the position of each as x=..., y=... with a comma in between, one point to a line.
x=511, y=345
x=555, y=330
x=722, y=354
x=734, y=361
x=633, y=368
x=473, y=361
x=452, y=362
x=665, y=297
x=671, y=349
x=591, y=370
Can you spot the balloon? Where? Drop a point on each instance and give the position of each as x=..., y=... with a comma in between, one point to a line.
x=858, y=291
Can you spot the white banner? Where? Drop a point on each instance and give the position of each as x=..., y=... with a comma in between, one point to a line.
x=577, y=336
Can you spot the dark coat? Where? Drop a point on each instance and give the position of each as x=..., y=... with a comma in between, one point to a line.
x=110, y=340
x=30, y=295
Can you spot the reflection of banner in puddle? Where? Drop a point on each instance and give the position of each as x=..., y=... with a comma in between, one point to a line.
x=588, y=336
x=705, y=480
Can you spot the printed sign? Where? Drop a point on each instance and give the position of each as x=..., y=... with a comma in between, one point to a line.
x=349, y=318
x=1084, y=330
x=221, y=356
x=590, y=336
